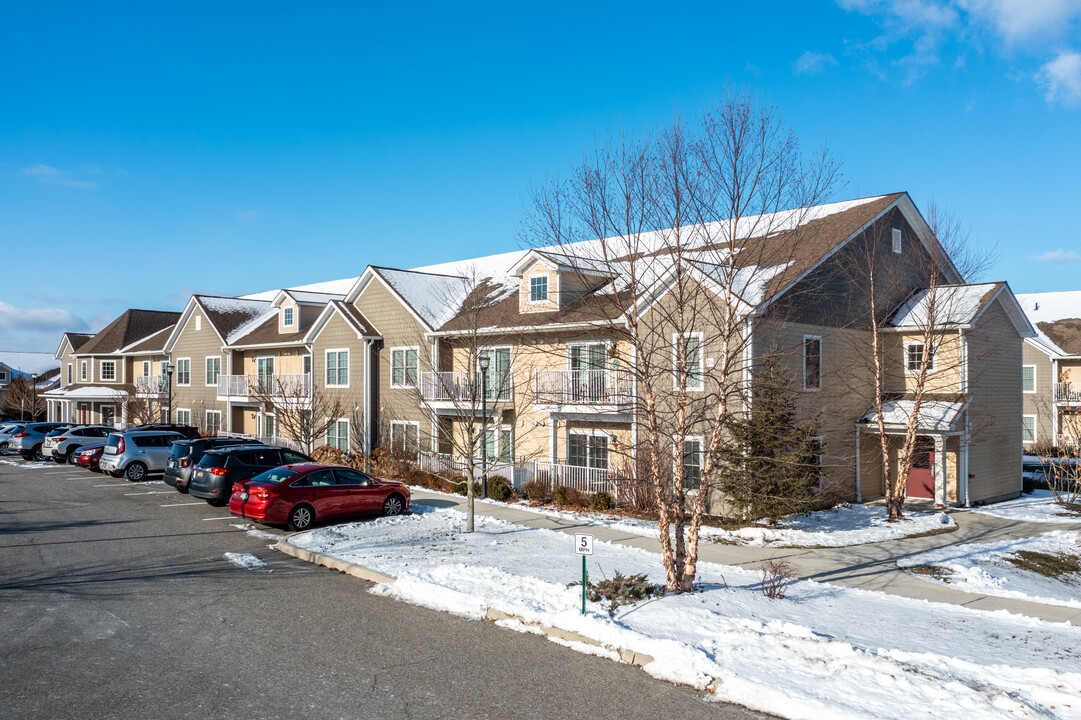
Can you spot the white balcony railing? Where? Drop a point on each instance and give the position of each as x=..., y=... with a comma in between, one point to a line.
x=287, y=386
x=1068, y=392
x=151, y=385
x=233, y=385
x=585, y=479
x=465, y=387
x=582, y=387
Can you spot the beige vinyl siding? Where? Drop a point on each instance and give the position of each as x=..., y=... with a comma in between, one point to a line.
x=338, y=334
x=1040, y=403
x=538, y=269
x=945, y=377
x=282, y=327
x=197, y=345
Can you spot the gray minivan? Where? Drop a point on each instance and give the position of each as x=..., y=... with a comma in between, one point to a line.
x=137, y=453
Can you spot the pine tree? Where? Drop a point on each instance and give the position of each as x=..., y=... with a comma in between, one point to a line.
x=771, y=466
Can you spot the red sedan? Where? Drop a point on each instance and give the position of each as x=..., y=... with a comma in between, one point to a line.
x=298, y=495
x=88, y=457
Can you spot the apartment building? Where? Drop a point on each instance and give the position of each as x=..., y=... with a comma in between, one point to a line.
x=1051, y=369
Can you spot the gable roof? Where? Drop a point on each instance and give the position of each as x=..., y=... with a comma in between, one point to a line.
x=349, y=314
x=264, y=332
x=303, y=297
x=233, y=318
x=432, y=298
x=329, y=287
x=153, y=344
x=958, y=307
x=76, y=340
x=131, y=327
x=1057, y=317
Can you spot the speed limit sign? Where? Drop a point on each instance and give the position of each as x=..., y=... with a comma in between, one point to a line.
x=583, y=544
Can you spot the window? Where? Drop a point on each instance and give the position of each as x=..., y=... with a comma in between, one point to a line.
x=506, y=445
x=82, y=371
x=403, y=367
x=3, y=375
x=198, y=323
x=897, y=240
x=183, y=371
x=269, y=426
x=587, y=450
x=914, y=357
x=70, y=376
x=405, y=437
x=498, y=382
x=351, y=477
x=337, y=368
x=1028, y=378
x=307, y=364
x=287, y=316
x=812, y=362
x=338, y=435
x=108, y=370
x=264, y=374
x=1028, y=429
x=687, y=348
x=108, y=415
x=146, y=368
x=538, y=289
x=213, y=422
x=183, y=417
x=692, y=463
x=213, y=370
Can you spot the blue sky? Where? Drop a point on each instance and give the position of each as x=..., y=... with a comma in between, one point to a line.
x=148, y=152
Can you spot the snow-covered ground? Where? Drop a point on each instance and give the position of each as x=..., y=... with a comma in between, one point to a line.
x=29, y=463
x=838, y=527
x=984, y=568
x=244, y=560
x=1040, y=506
x=823, y=652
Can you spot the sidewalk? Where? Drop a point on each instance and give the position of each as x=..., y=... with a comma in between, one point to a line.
x=868, y=567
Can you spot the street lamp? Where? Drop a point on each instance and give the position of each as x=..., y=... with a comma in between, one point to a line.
x=483, y=361
x=34, y=396
x=168, y=368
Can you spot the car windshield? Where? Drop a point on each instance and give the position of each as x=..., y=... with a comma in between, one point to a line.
x=113, y=441
x=275, y=476
x=213, y=460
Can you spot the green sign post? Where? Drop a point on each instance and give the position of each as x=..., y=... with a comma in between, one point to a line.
x=583, y=545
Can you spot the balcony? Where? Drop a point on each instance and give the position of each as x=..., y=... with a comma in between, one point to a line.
x=151, y=386
x=461, y=390
x=239, y=388
x=1068, y=392
x=585, y=479
x=583, y=390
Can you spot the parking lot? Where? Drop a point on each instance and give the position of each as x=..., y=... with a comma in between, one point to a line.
x=118, y=602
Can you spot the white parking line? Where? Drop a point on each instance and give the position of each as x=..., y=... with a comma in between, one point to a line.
x=183, y=504
x=152, y=492
x=57, y=472
x=230, y=517
x=123, y=485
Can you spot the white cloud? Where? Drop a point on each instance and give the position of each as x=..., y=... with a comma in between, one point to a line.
x=1017, y=21
x=813, y=63
x=1058, y=256
x=1061, y=78
x=248, y=215
x=55, y=176
x=42, y=319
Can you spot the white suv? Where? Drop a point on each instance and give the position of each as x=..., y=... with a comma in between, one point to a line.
x=137, y=453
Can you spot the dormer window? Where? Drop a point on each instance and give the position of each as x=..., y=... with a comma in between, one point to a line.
x=538, y=289
x=287, y=316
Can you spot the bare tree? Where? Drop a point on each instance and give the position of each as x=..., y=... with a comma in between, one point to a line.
x=670, y=228
x=20, y=397
x=304, y=412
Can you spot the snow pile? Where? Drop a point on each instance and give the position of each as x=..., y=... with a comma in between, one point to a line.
x=984, y=568
x=838, y=527
x=244, y=560
x=1040, y=506
x=824, y=652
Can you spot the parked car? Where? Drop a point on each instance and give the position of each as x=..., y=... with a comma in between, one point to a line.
x=184, y=454
x=59, y=444
x=299, y=495
x=28, y=441
x=88, y=456
x=186, y=431
x=216, y=472
x=6, y=432
x=135, y=454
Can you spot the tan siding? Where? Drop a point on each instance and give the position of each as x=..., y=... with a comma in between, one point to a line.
x=337, y=334
x=1040, y=403
x=197, y=345
x=944, y=378
x=538, y=269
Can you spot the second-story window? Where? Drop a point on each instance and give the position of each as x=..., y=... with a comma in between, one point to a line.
x=108, y=370
x=213, y=370
x=914, y=357
x=403, y=367
x=337, y=368
x=287, y=316
x=1028, y=378
x=538, y=289
x=812, y=362
x=82, y=371
x=70, y=375
x=183, y=371
x=687, y=359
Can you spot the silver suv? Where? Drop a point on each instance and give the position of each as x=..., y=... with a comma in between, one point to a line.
x=28, y=441
x=60, y=446
x=7, y=430
x=137, y=453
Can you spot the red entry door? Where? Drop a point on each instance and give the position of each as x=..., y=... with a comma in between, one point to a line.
x=921, y=478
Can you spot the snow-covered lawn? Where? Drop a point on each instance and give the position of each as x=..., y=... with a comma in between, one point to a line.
x=838, y=527
x=823, y=652
x=986, y=569
x=1040, y=506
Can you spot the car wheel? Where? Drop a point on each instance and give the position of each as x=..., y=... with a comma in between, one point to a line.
x=60, y=459
x=301, y=517
x=393, y=505
x=182, y=489
x=72, y=460
x=3, y=448
x=135, y=472
x=37, y=454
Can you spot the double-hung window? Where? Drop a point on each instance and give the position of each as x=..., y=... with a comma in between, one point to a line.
x=213, y=370
x=82, y=371
x=213, y=422
x=183, y=371
x=183, y=417
x=404, y=367
x=405, y=437
x=338, y=435
x=337, y=368
x=914, y=357
x=538, y=289
x=687, y=353
x=287, y=317
x=812, y=362
x=692, y=463
x=1028, y=379
x=585, y=450
x=1028, y=429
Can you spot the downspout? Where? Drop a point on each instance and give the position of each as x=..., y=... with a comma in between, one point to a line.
x=964, y=459
x=367, y=397
x=859, y=438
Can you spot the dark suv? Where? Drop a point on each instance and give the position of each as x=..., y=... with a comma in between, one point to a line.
x=214, y=475
x=186, y=453
x=185, y=431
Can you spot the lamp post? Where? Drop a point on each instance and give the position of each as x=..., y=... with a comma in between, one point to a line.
x=483, y=361
x=169, y=382
x=34, y=396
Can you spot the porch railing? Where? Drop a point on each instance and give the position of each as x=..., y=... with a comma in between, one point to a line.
x=233, y=385
x=465, y=387
x=585, y=479
x=151, y=385
x=286, y=385
x=1068, y=392
x=582, y=387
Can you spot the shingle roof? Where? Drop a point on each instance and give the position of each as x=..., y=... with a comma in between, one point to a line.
x=77, y=340
x=132, y=326
x=29, y=362
x=954, y=305
x=266, y=333
x=434, y=298
x=234, y=317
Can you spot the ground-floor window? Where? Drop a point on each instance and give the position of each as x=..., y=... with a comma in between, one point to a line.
x=270, y=427
x=183, y=417
x=213, y=422
x=338, y=435
x=405, y=437
x=692, y=463
x=108, y=415
x=585, y=450
x=1028, y=429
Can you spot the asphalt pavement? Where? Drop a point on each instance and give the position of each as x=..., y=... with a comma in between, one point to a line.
x=116, y=601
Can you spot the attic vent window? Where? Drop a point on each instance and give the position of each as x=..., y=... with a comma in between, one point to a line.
x=198, y=323
x=538, y=289
x=897, y=241
x=287, y=316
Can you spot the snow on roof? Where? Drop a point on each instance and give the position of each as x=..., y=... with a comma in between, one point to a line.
x=1050, y=307
x=934, y=414
x=953, y=305
x=337, y=288
x=435, y=298
x=29, y=362
x=243, y=315
x=87, y=392
x=314, y=297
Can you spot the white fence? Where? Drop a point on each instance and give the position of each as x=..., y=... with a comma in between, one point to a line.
x=582, y=387
x=586, y=479
x=1068, y=392
x=298, y=385
x=233, y=385
x=151, y=385
x=465, y=386
x=266, y=440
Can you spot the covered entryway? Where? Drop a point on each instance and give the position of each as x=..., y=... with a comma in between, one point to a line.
x=921, y=478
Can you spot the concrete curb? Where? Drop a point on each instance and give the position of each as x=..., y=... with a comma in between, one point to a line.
x=329, y=561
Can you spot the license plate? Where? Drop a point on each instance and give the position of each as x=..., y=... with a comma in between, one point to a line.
x=172, y=463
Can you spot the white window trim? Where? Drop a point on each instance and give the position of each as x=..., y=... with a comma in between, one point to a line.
x=934, y=358
x=677, y=452
x=146, y=368
x=176, y=372
x=71, y=374
x=206, y=370
x=895, y=240
x=102, y=407
x=206, y=419
x=586, y=343
x=1033, y=390
x=803, y=356
x=292, y=319
x=348, y=433
x=587, y=432
x=547, y=289
x=83, y=376
x=701, y=361
x=414, y=348
x=348, y=362
x=102, y=371
x=198, y=323
x=177, y=416
x=402, y=423
x=3, y=375
x=1035, y=433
